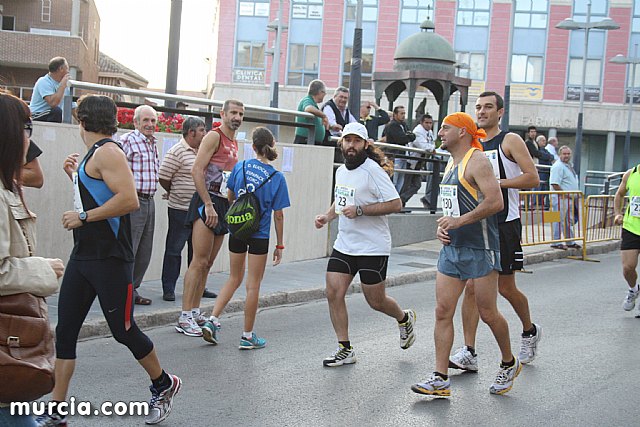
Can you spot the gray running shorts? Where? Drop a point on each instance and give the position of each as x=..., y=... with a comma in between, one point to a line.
x=467, y=263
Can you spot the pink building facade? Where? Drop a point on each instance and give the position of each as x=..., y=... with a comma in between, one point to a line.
x=546, y=63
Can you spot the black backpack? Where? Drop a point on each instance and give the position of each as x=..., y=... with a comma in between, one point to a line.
x=243, y=217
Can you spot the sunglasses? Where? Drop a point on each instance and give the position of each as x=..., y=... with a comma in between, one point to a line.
x=28, y=128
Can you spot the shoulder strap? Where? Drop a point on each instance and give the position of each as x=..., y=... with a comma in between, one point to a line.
x=244, y=173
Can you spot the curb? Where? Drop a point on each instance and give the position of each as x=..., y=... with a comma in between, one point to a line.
x=165, y=317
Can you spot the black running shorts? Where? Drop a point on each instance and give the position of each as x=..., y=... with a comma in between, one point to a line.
x=196, y=210
x=511, y=256
x=254, y=246
x=372, y=269
x=630, y=241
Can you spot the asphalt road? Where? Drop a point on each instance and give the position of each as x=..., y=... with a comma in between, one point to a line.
x=586, y=374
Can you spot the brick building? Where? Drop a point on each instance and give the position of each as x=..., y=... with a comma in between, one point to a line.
x=34, y=31
x=546, y=66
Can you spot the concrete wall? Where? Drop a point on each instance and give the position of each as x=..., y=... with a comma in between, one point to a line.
x=309, y=185
x=405, y=229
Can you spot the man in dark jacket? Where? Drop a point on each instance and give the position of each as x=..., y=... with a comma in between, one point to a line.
x=397, y=132
x=372, y=123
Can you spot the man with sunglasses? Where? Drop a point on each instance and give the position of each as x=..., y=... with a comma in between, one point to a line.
x=175, y=177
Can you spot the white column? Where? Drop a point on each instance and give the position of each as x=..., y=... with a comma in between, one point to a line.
x=611, y=150
x=553, y=133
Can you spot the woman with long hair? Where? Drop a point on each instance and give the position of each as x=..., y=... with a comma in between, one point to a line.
x=20, y=271
x=259, y=176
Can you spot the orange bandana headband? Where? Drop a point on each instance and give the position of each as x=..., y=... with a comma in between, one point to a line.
x=463, y=120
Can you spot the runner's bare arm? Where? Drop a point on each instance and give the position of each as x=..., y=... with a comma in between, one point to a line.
x=325, y=218
x=108, y=163
x=382, y=208
x=208, y=147
x=515, y=148
x=278, y=222
x=480, y=174
x=619, y=198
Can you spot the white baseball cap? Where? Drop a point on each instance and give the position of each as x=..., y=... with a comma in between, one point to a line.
x=357, y=129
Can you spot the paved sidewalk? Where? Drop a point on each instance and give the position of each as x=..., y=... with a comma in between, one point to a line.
x=302, y=281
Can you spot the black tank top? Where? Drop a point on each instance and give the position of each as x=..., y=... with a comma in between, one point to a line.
x=101, y=239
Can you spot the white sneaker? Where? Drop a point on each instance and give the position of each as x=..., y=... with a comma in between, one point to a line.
x=435, y=385
x=630, y=300
x=162, y=401
x=407, y=334
x=529, y=346
x=189, y=327
x=504, y=378
x=201, y=319
x=463, y=359
x=342, y=356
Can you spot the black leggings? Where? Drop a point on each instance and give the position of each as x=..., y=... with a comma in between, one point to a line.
x=110, y=279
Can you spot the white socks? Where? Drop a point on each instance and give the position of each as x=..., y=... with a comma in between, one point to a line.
x=247, y=335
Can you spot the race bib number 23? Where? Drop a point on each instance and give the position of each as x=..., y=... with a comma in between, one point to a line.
x=344, y=196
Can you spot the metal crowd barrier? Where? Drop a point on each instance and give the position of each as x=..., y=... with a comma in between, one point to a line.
x=599, y=225
x=562, y=221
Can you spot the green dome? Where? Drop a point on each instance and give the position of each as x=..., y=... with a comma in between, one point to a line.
x=425, y=45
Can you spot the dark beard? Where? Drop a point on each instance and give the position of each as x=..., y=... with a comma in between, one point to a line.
x=353, y=161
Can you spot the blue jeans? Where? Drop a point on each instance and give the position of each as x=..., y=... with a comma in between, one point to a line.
x=398, y=177
x=15, y=421
x=177, y=236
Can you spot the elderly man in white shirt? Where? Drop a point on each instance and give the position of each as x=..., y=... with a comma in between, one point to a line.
x=425, y=140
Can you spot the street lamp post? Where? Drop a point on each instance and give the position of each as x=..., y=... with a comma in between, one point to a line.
x=631, y=62
x=570, y=24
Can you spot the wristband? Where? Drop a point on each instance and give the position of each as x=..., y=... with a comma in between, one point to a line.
x=279, y=246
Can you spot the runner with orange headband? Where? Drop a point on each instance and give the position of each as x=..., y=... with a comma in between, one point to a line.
x=470, y=199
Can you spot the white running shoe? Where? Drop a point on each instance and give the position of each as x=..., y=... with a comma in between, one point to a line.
x=407, y=334
x=435, y=385
x=342, y=356
x=505, y=377
x=529, y=346
x=189, y=327
x=161, y=402
x=630, y=300
x=463, y=359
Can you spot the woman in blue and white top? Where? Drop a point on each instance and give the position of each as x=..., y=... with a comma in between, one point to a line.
x=271, y=190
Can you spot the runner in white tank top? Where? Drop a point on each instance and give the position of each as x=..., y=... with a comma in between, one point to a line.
x=515, y=170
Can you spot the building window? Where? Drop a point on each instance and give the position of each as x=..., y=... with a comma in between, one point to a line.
x=254, y=8
x=526, y=69
x=598, y=7
x=303, y=64
x=531, y=14
x=369, y=10
x=592, y=78
x=473, y=12
x=366, y=67
x=250, y=55
x=46, y=11
x=635, y=25
x=416, y=11
x=8, y=23
x=306, y=9
x=475, y=65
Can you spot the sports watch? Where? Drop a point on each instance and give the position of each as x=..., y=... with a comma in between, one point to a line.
x=359, y=211
x=83, y=217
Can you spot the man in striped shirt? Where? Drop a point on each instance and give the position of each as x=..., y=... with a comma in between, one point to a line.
x=142, y=154
x=175, y=177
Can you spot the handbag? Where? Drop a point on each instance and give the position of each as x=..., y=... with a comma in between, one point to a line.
x=26, y=347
